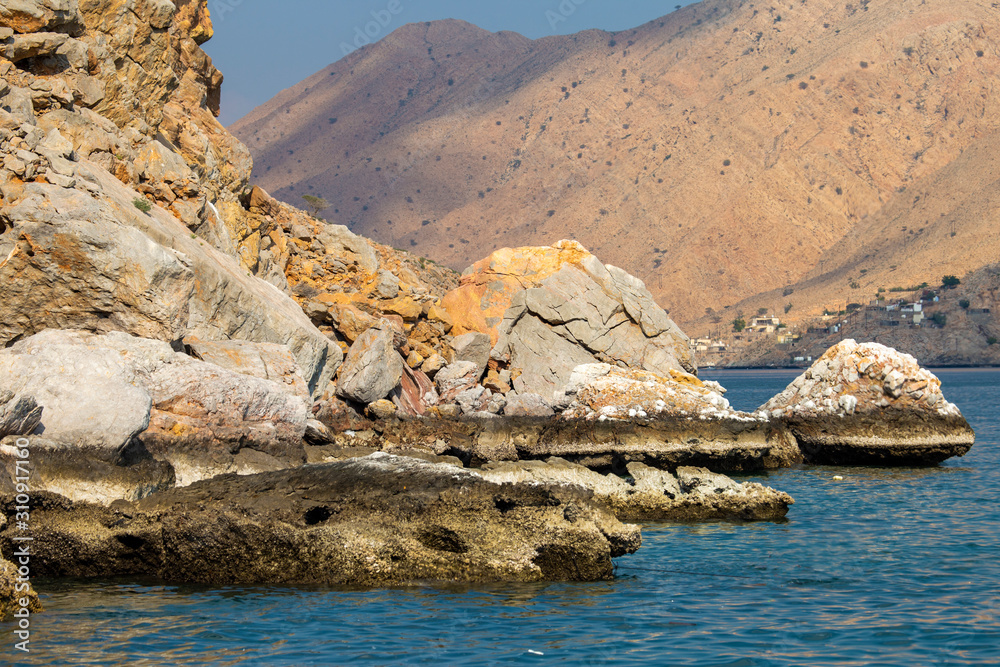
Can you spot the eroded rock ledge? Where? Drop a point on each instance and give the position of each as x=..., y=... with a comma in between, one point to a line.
x=373, y=521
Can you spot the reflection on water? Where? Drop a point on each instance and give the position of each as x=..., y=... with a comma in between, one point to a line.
x=886, y=566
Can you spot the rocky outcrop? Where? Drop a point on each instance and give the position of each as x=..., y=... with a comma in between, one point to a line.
x=123, y=198
x=82, y=259
x=379, y=520
x=647, y=494
x=869, y=404
x=548, y=310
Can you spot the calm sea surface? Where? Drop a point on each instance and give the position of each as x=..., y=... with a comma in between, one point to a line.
x=886, y=567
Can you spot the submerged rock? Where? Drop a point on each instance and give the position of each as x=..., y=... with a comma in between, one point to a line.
x=378, y=520
x=868, y=404
x=694, y=494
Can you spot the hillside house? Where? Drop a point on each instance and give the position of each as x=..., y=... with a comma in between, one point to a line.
x=766, y=324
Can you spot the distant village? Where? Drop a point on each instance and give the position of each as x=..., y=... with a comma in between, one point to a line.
x=743, y=338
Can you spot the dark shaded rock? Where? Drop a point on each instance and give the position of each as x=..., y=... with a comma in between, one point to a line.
x=647, y=494
x=380, y=520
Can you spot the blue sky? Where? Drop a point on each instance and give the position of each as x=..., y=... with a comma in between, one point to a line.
x=263, y=46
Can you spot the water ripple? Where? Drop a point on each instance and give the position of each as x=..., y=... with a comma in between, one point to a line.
x=885, y=567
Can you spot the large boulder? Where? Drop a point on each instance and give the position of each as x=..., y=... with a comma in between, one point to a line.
x=693, y=494
x=373, y=367
x=90, y=397
x=550, y=309
x=117, y=397
x=869, y=404
x=379, y=520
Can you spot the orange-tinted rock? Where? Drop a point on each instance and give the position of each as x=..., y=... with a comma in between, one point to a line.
x=486, y=287
x=404, y=307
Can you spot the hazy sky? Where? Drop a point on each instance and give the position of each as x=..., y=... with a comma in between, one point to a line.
x=264, y=46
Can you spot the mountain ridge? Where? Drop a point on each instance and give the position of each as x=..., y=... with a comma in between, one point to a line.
x=722, y=152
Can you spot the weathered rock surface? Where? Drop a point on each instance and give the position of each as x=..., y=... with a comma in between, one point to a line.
x=372, y=369
x=380, y=520
x=82, y=475
x=869, y=404
x=267, y=361
x=73, y=260
x=647, y=494
x=13, y=592
x=548, y=310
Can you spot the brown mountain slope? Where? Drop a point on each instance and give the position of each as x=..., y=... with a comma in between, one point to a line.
x=718, y=153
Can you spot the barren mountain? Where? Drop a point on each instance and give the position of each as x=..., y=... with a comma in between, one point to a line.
x=728, y=151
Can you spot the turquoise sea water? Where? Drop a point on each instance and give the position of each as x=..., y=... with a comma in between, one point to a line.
x=885, y=567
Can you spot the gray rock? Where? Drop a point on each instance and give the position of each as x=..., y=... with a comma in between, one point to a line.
x=581, y=314
x=372, y=369
x=33, y=45
x=527, y=405
x=474, y=347
x=102, y=394
x=455, y=378
x=268, y=361
x=340, y=243
x=473, y=400
x=90, y=397
x=387, y=286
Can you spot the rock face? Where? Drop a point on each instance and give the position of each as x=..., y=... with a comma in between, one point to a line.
x=869, y=404
x=380, y=520
x=694, y=494
x=122, y=195
x=548, y=310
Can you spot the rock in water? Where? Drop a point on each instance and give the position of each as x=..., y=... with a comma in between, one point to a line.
x=378, y=520
x=10, y=594
x=548, y=310
x=868, y=404
x=694, y=494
